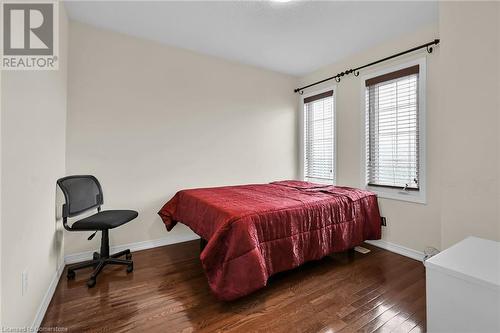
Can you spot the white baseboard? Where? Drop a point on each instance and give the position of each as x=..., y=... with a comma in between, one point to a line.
x=40, y=313
x=399, y=249
x=87, y=255
x=77, y=257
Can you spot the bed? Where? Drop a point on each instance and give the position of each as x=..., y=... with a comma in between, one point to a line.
x=254, y=231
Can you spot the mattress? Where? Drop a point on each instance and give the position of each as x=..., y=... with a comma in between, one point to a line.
x=254, y=231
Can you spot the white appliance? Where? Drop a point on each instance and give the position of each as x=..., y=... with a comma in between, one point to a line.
x=463, y=288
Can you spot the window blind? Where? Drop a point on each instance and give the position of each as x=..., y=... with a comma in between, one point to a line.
x=392, y=129
x=319, y=138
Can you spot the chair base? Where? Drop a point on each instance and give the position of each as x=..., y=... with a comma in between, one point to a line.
x=98, y=262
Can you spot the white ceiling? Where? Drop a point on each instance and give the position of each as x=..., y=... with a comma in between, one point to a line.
x=293, y=37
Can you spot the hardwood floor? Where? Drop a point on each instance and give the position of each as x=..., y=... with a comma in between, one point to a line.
x=167, y=292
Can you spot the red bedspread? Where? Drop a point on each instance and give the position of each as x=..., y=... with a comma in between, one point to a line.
x=254, y=231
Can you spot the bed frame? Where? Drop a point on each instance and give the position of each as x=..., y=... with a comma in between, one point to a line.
x=203, y=243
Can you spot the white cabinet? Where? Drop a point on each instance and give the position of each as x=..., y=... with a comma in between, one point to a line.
x=463, y=288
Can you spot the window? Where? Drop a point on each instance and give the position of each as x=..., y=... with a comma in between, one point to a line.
x=393, y=133
x=319, y=137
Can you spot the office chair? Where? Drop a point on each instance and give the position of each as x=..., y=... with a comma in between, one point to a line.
x=81, y=194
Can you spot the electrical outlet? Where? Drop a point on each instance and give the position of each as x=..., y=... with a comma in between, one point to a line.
x=384, y=221
x=24, y=283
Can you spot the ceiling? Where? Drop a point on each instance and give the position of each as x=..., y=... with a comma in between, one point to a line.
x=294, y=37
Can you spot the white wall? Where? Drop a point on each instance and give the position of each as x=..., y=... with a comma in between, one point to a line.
x=32, y=158
x=409, y=224
x=470, y=131
x=149, y=120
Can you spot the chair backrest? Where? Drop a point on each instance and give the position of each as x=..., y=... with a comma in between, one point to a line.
x=81, y=193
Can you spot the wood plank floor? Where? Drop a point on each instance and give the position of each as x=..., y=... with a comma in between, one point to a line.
x=168, y=292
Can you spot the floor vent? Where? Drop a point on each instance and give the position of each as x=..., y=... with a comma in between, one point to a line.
x=362, y=250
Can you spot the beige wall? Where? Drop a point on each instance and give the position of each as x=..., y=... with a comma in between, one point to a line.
x=409, y=224
x=157, y=112
x=1, y=104
x=462, y=131
x=32, y=156
x=470, y=130
x=148, y=120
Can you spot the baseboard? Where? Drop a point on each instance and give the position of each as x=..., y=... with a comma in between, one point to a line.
x=47, y=298
x=87, y=255
x=399, y=249
x=78, y=257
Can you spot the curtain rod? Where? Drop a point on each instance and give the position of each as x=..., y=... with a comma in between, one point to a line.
x=355, y=71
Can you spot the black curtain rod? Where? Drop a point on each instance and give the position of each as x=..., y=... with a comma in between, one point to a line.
x=355, y=71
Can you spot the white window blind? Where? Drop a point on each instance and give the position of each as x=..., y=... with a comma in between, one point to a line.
x=319, y=138
x=392, y=132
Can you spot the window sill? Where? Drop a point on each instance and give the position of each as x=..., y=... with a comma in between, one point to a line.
x=397, y=194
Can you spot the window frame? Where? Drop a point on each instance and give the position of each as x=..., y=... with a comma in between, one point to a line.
x=303, y=130
x=416, y=196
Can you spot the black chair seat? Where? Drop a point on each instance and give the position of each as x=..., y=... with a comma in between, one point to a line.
x=107, y=219
x=81, y=194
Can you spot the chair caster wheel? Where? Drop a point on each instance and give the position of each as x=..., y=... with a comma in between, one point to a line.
x=96, y=256
x=71, y=275
x=91, y=282
x=130, y=268
x=128, y=256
